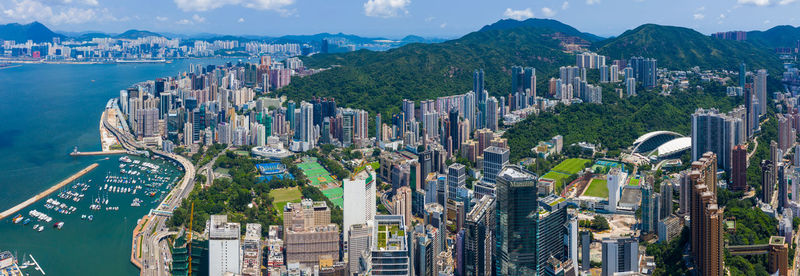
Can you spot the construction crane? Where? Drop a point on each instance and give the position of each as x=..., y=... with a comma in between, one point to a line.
x=358, y=169
x=189, y=240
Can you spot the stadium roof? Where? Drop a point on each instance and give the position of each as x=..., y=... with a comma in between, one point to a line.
x=652, y=140
x=674, y=146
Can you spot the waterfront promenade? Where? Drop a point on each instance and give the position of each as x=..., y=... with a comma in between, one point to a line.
x=47, y=192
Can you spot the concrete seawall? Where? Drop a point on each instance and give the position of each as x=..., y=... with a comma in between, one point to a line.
x=47, y=192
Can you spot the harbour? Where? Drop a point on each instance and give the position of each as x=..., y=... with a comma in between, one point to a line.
x=37, y=144
x=47, y=192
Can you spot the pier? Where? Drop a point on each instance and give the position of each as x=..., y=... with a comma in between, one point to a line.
x=47, y=192
x=90, y=153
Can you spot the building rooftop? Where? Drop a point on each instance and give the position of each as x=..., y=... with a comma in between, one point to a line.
x=222, y=229
x=516, y=173
x=391, y=235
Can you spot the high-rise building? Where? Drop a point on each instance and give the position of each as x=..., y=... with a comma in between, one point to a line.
x=251, y=250
x=742, y=75
x=767, y=180
x=309, y=233
x=786, y=133
x=783, y=189
x=665, y=205
x=760, y=83
x=477, y=84
x=739, y=168
x=523, y=84
x=479, y=238
x=716, y=132
x=615, y=180
x=390, y=254
x=586, y=243
x=650, y=74
x=604, y=74
x=613, y=72
x=649, y=206
x=359, y=248
x=491, y=113
x=528, y=233
x=494, y=159
x=516, y=247
x=706, y=217
x=620, y=255
x=359, y=199
x=630, y=87
x=223, y=246
x=456, y=178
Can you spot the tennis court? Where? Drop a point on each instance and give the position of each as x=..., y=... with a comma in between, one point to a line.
x=335, y=195
x=319, y=176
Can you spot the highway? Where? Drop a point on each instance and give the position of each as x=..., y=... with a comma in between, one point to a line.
x=152, y=259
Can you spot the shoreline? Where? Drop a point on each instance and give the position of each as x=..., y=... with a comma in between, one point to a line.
x=47, y=192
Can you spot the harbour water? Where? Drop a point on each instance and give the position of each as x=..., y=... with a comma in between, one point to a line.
x=46, y=111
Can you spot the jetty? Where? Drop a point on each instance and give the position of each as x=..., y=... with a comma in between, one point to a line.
x=90, y=153
x=47, y=192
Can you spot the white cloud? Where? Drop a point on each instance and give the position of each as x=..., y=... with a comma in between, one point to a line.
x=56, y=13
x=698, y=16
x=386, y=8
x=443, y=25
x=162, y=18
x=754, y=2
x=518, y=14
x=198, y=19
x=206, y=5
x=721, y=16
x=766, y=22
x=565, y=5
x=548, y=12
x=241, y=20
x=429, y=19
x=592, y=2
x=763, y=3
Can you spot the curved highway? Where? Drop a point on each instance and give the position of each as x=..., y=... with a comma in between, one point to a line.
x=152, y=260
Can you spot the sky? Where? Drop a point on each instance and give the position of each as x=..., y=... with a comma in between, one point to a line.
x=392, y=18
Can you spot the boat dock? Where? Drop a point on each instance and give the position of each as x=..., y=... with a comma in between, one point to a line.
x=38, y=267
x=90, y=153
x=47, y=192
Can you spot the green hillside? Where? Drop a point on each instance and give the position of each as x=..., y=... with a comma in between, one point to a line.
x=778, y=36
x=378, y=81
x=683, y=48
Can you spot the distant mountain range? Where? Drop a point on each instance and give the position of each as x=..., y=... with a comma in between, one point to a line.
x=40, y=33
x=549, y=24
x=34, y=31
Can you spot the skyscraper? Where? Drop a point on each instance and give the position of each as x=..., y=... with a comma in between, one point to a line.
x=767, y=182
x=477, y=84
x=494, y=159
x=649, y=213
x=739, y=168
x=223, y=246
x=716, y=132
x=630, y=87
x=523, y=83
x=456, y=178
x=761, y=91
x=479, y=238
x=359, y=199
x=528, y=233
x=491, y=113
x=620, y=255
x=390, y=254
x=706, y=217
x=742, y=75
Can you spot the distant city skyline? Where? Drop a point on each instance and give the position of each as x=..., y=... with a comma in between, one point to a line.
x=391, y=18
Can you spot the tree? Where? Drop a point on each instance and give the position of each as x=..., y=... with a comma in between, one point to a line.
x=600, y=223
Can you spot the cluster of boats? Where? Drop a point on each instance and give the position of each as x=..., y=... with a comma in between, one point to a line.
x=70, y=195
x=124, y=190
x=38, y=216
x=136, y=202
x=62, y=208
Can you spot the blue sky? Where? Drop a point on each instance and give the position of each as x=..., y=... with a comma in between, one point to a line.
x=392, y=18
